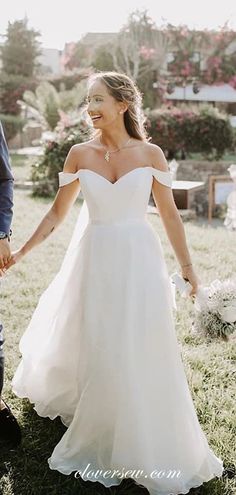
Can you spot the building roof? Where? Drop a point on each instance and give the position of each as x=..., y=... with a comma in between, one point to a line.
x=218, y=93
x=97, y=38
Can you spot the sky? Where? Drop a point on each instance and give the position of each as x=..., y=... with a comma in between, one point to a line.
x=61, y=22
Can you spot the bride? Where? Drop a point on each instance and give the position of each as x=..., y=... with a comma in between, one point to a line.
x=101, y=349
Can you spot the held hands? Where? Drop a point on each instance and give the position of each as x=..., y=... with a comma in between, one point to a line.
x=189, y=274
x=5, y=252
x=14, y=258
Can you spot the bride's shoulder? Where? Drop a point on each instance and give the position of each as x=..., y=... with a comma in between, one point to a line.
x=153, y=148
x=83, y=151
x=76, y=156
x=81, y=147
x=156, y=156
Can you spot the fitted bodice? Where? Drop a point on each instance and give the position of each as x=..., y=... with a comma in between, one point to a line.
x=126, y=199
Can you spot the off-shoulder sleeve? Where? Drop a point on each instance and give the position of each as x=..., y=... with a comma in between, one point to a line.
x=66, y=177
x=164, y=177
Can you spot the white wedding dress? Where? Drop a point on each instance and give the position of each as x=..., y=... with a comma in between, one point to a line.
x=101, y=349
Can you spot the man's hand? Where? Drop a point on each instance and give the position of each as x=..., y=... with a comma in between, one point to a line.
x=5, y=252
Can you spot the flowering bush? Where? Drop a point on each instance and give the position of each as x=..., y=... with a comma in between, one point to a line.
x=192, y=129
x=45, y=172
x=221, y=64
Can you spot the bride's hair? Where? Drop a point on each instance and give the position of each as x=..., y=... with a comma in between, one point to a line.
x=123, y=88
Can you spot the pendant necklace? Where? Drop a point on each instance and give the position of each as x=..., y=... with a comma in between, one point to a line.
x=108, y=152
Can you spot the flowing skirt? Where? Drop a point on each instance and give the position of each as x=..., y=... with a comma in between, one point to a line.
x=101, y=352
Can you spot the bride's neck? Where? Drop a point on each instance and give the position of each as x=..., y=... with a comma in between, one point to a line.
x=114, y=138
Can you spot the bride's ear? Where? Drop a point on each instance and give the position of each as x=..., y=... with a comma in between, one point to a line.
x=123, y=107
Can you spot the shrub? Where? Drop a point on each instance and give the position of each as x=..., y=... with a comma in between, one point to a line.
x=12, y=87
x=45, y=172
x=213, y=134
x=202, y=129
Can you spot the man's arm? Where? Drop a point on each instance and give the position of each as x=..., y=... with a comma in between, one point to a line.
x=6, y=186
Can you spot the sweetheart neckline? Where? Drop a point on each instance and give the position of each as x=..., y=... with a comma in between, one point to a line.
x=122, y=176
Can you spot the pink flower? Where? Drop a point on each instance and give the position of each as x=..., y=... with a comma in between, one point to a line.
x=146, y=52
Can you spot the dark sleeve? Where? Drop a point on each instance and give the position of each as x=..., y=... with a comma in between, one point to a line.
x=6, y=186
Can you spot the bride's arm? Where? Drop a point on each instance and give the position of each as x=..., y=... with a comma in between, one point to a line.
x=171, y=218
x=63, y=201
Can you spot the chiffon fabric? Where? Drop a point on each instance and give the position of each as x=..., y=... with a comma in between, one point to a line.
x=101, y=349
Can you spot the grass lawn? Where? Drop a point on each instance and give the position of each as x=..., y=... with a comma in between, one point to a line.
x=21, y=166
x=210, y=367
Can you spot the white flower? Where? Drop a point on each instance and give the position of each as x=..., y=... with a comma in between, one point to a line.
x=215, y=307
x=215, y=286
x=228, y=313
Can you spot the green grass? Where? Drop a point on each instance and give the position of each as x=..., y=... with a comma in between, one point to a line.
x=209, y=366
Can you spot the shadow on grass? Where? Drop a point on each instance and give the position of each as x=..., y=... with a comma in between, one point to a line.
x=24, y=470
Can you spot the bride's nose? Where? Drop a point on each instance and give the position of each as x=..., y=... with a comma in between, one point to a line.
x=90, y=108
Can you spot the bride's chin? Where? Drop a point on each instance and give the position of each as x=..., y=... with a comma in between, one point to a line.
x=96, y=124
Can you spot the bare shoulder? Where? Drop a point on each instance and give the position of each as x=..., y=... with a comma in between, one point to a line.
x=156, y=157
x=75, y=155
x=80, y=148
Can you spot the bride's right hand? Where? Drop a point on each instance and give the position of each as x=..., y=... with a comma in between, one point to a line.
x=15, y=258
x=189, y=274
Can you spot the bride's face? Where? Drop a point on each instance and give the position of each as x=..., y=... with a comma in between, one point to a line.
x=102, y=108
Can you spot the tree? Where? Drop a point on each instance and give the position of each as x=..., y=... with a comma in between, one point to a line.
x=188, y=46
x=20, y=50
x=140, y=47
x=77, y=55
x=19, y=63
x=140, y=51
x=221, y=63
x=102, y=59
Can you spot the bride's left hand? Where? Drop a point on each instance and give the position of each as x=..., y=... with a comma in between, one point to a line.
x=189, y=273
